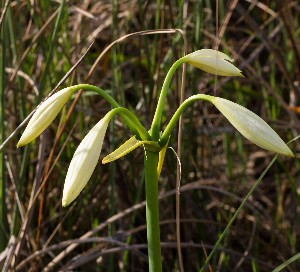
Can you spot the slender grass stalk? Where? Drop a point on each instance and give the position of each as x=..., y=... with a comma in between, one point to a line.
x=236, y=213
x=112, y=167
x=49, y=59
x=151, y=178
x=18, y=105
x=287, y=263
x=152, y=211
x=3, y=215
x=138, y=197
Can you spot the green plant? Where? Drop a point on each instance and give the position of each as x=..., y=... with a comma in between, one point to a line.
x=154, y=142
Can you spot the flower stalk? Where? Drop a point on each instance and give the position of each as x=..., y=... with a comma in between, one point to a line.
x=250, y=125
x=50, y=108
x=152, y=211
x=156, y=123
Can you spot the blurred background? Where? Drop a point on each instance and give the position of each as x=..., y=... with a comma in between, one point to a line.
x=42, y=42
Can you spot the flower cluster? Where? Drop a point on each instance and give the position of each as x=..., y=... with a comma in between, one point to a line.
x=87, y=154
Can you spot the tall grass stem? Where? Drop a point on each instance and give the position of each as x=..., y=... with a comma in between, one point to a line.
x=3, y=216
x=50, y=51
x=236, y=213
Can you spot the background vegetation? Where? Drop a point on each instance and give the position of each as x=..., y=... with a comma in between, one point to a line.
x=104, y=230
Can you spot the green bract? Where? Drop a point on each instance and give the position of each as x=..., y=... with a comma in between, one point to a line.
x=129, y=146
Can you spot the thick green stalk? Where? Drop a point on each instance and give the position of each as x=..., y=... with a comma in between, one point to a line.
x=155, y=127
x=152, y=211
x=19, y=103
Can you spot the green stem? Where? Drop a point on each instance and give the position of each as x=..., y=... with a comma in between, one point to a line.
x=168, y=130
x=132, y=121
x=152, y=211
x=155, y=127
x=99, y=91
x=128, y=115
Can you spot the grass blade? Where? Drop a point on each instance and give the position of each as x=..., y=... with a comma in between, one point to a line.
x=237, y=212
x=3, y=215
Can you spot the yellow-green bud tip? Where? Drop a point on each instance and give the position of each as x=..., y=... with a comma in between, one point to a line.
x=64, y=203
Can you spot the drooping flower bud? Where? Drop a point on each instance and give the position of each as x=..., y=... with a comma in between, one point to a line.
x=84, y=161
x=251, y=126
x=213, y=62
x=44, y=115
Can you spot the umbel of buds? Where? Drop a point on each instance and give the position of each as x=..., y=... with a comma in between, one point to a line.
x=87, y=154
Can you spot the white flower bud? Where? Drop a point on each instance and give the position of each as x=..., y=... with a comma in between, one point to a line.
x=213, y=62
x=84, y=161
x=44, y=115
x=251, y=126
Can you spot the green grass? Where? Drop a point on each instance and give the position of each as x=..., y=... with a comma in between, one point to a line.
x=3, y=208
x=219, y=167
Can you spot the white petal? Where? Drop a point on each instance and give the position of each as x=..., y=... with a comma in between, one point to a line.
x=211, y=53
x=251, y=126
x=84, y=162
x=216, y=66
